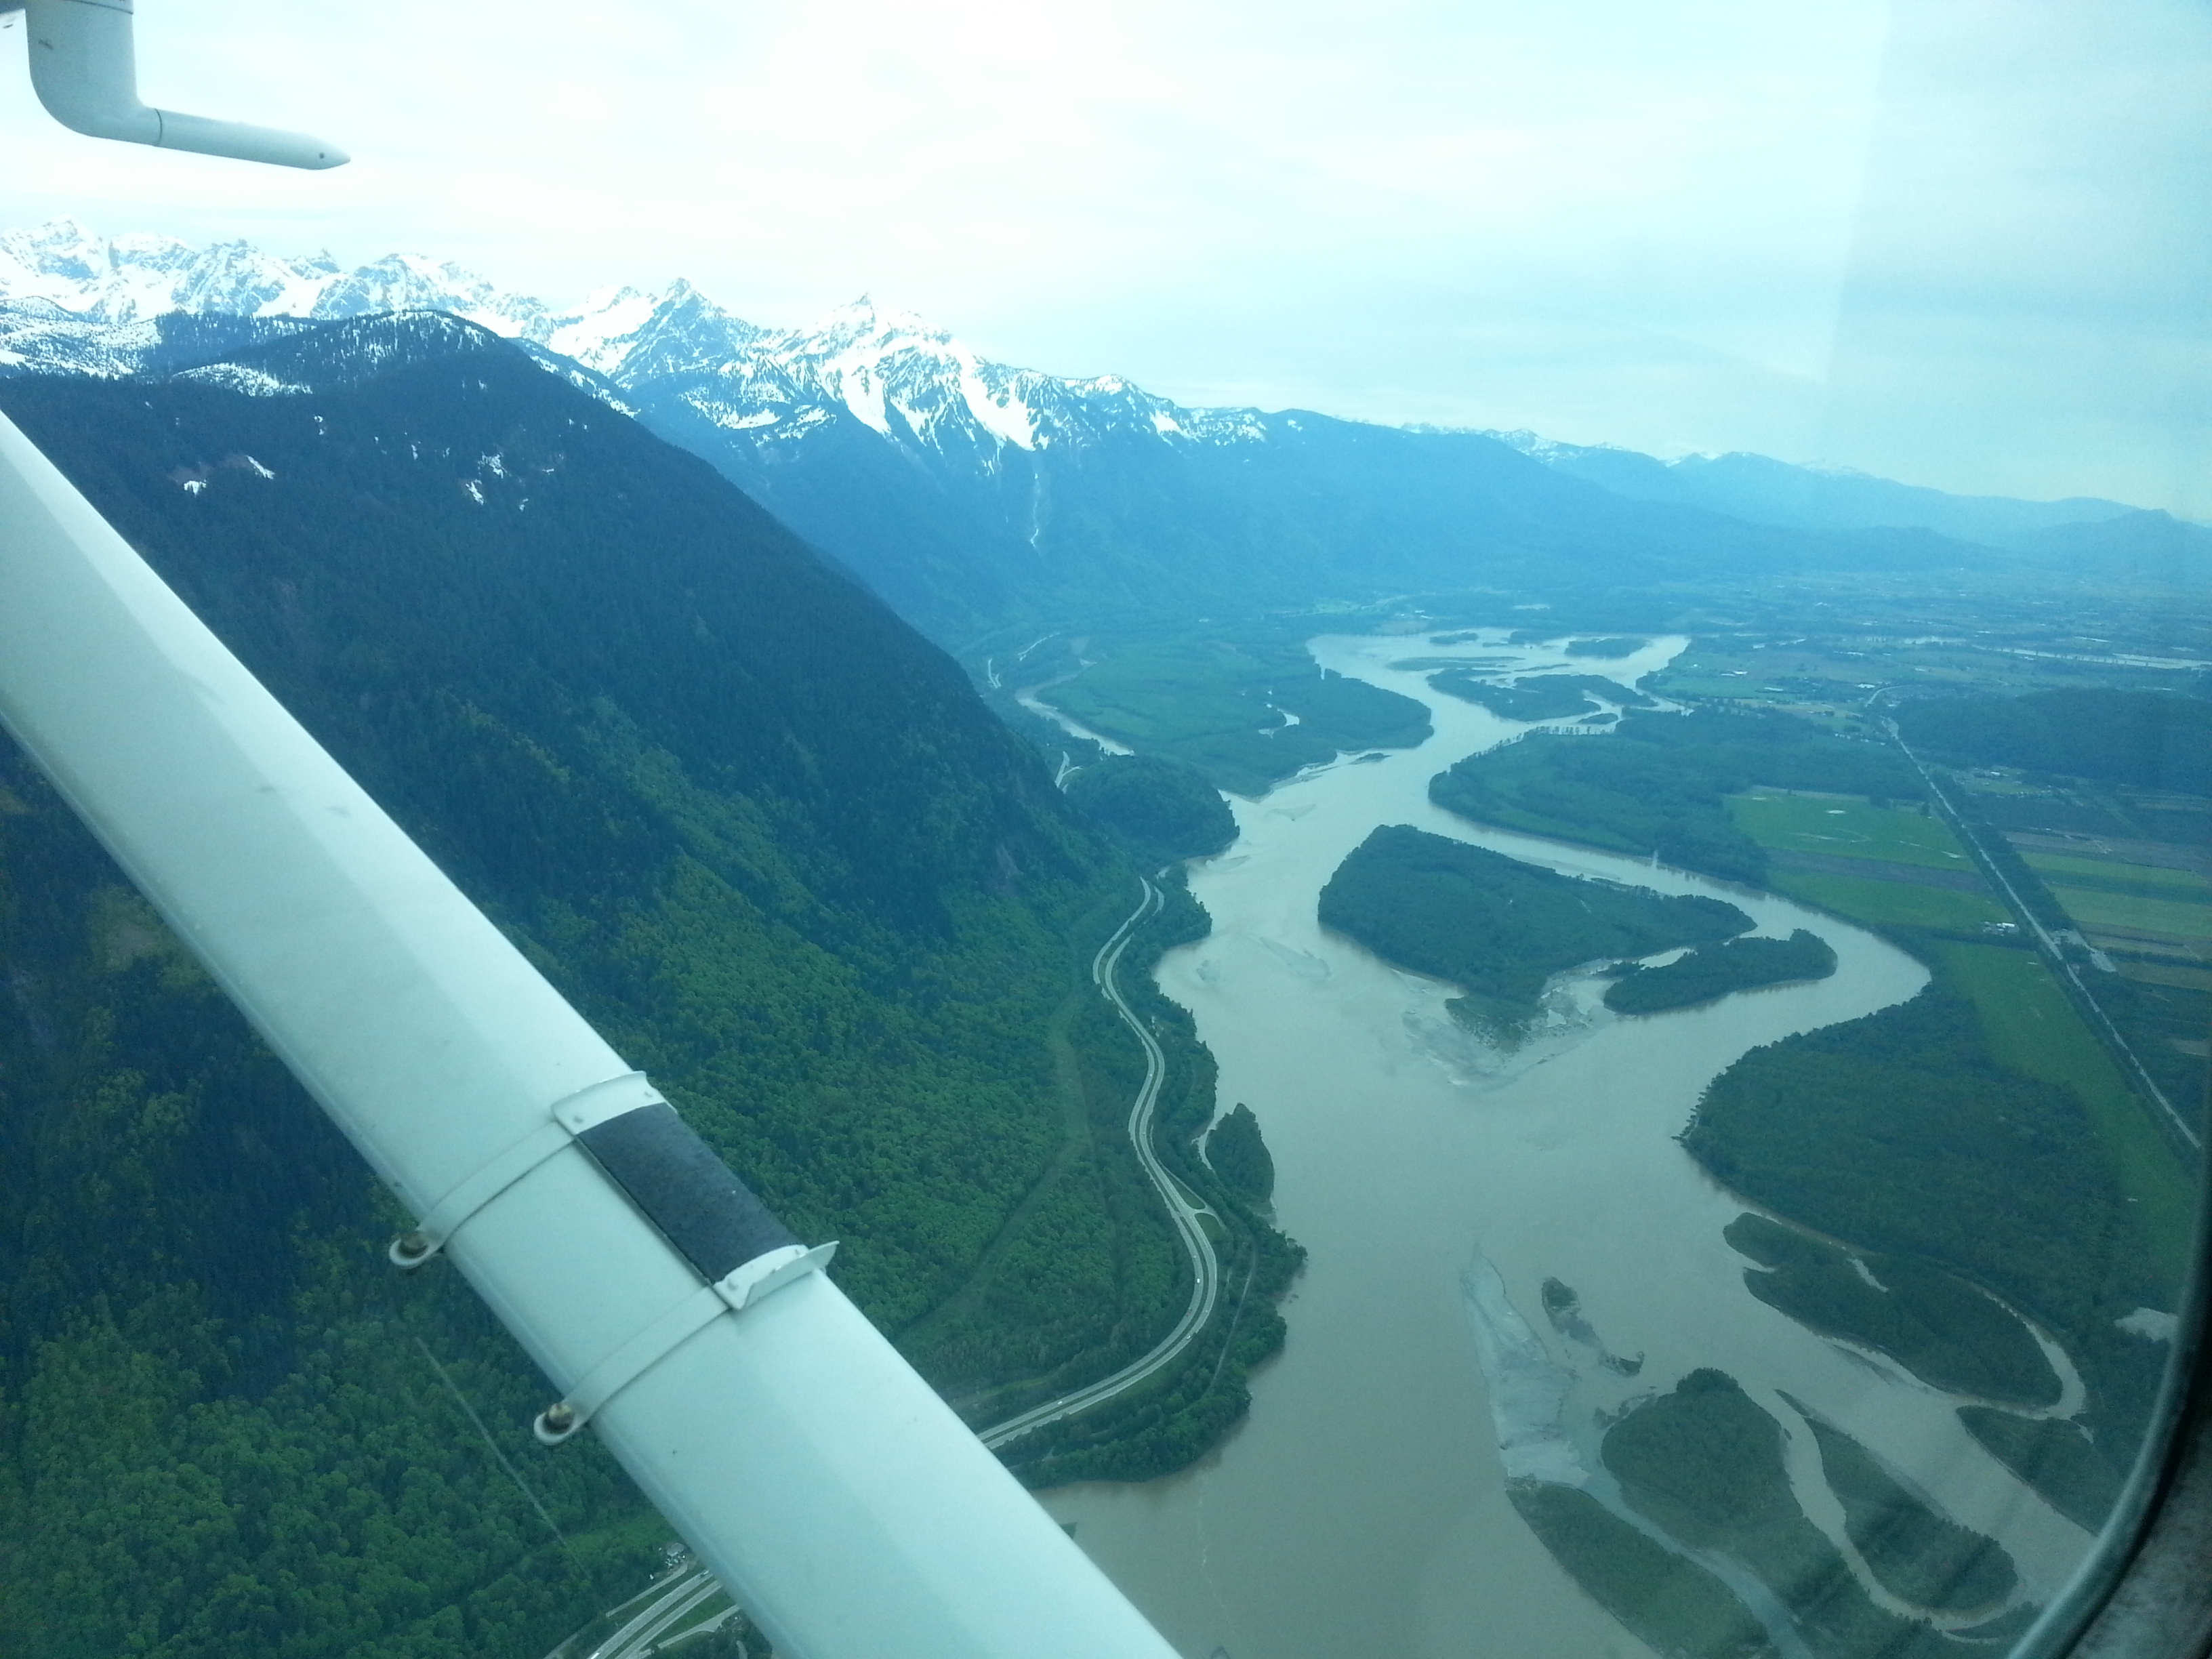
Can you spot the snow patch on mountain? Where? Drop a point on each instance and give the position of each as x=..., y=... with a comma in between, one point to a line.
x=250, y=382
x=74, y=301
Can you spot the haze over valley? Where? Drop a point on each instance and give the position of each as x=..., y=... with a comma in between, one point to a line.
x=1429, y=1031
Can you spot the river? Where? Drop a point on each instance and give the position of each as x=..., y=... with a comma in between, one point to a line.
x=1360, y=1512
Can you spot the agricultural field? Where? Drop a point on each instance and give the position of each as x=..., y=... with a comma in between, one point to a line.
x=1837, y=670
x=1892, y=903
x=2027, y=1018
x=2059, y=867
x=2033, y=1028
x=1763, y=672
x=1808, y=835
x=2096, y=908
x=2152, y=920
x=1847, y=827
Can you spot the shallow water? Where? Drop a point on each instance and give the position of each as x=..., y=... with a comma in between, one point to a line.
x=1361, y=1511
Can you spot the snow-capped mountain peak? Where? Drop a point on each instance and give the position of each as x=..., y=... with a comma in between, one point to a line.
x=885, y=365
x=127, y=279
x=627, y=334
x=66, y=290
x=861, y=320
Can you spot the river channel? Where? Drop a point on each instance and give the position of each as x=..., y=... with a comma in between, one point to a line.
x=1360, y=1512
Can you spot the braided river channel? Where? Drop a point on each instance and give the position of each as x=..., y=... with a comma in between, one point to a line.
x=1361, y=1511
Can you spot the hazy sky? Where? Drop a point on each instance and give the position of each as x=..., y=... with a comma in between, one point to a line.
x=1965, y=242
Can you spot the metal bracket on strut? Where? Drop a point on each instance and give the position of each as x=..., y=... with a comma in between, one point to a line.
x=567, y=1118
x=732, y=1293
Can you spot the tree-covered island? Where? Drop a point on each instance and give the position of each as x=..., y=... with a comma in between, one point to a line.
x=1711, y=971
x=1497, y=927
x=1537, y=696
x=1706, y=1464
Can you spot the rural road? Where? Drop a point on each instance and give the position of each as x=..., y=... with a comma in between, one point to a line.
x=1205, y=1265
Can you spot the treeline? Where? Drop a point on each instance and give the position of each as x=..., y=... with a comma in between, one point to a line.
x=1161, y=809
x=1920, y=1556
x=2146, y=739
x=1715, y=970
x=1934, y=1324
x=1671, y=1604
x=1239, y=1155
x=1997, y=1178
x=1706, y=1464
x=1498, y=927
x=1245, y=712
x=1537, y=698
x=1657, y=788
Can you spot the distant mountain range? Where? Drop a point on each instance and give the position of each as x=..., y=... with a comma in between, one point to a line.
x=1809, y=498
x=981, y=499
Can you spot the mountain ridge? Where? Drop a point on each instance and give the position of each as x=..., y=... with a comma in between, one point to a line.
x=982, y=499
x=868, y=358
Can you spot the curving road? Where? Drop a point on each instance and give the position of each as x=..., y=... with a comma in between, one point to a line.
x=666, y=1618
x=1205, y=1265
x=685, y=1604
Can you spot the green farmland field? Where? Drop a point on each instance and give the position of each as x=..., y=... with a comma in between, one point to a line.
x=1848, y=828
x=2091, y=908
x=2032, y=1027
x=2183, y=883
x=1889, y=903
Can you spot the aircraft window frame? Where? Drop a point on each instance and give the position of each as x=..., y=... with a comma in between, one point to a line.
x=2145, y=1590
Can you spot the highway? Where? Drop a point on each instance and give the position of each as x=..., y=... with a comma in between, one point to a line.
x=2184, y=1136
x=1204, y=1264
x=690, y=1603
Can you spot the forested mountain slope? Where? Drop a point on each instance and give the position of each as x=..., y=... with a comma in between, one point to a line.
x=1076, y=500
x=755, y=826
x=1287, y=509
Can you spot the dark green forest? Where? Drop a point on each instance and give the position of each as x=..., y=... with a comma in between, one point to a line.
x=1536, y=698
x=2149, y=739
x=1714, y=970
x=1498, y=927
x=1992, y=1177
x=1933, y=1323
x=1706, y=1463
x=1671, y=1604
x=1920, y=1556
x=2055, y=1456
x=224, y=1418
x=1161, y=809
x=1244, y=707
x=1239, y=1155
x=1656, y=785
x=759, y=831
